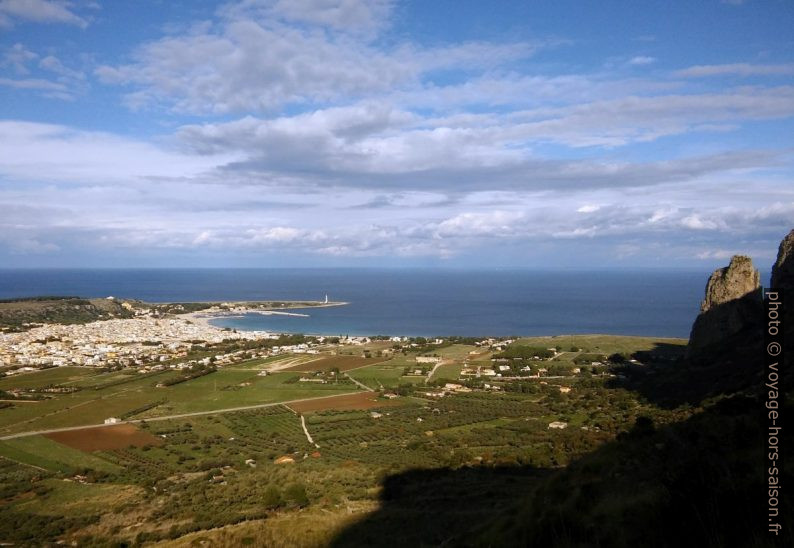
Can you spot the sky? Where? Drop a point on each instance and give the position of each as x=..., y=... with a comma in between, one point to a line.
x=463, y=134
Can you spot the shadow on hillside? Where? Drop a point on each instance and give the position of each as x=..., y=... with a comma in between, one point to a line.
x=670, y=378
x=432, y=507
x=699, y=482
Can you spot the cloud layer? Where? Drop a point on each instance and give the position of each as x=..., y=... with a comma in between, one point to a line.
x=308, y=131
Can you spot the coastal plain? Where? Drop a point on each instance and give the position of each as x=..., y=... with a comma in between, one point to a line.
x=299, y=431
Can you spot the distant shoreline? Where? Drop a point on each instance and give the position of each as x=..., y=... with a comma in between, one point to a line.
x=204, y=317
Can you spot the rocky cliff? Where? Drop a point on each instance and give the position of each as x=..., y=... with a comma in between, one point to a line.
x=732, y=306
x=783, y=269
x=783, y=279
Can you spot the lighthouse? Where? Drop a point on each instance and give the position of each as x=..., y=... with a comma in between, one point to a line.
x=326, y=298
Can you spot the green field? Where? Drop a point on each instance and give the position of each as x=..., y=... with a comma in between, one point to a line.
x=121, y=393
x=381, y=375
x=451, y=371
x=233, y=388
x=65, y=376
x=606, y=344
x=45, y=453
x=232, y=478
x=457, y=351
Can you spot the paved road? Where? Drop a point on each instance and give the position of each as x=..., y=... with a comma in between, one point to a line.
x=169, y=417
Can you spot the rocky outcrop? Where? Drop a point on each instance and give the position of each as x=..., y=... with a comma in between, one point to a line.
x=783, y=269
x=730, y=283
x=783, y=280
x=732, y=306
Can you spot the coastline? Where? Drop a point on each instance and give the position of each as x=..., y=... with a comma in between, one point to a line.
x=241, y=308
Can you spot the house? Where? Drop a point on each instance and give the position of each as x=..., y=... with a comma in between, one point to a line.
x=559, y=425
x=428, y=359
x=375, y=414
x=565, y=389
x=112, y=420
x=284, y=460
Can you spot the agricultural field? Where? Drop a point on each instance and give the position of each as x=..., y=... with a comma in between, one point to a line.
x=62, y=376
x=604, y=344
x=133, y=396
x=385, y=375
x=104, y=438
x=459, y=352
x=50, y=455
x=362, y=400
x=343, y=363
x=221, y=475
x=448, y=371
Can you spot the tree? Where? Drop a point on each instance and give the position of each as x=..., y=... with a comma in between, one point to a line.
x=272, y=497
x=296, y=494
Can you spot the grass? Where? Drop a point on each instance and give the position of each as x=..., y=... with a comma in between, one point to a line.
x=467, y=428
x=376, y=376
x=230, y=388
x=451, y=371
x=606, y=344
x=68, y=498
x=456, y=351
x=54, y=376
x=45, y=453
x=220, y=390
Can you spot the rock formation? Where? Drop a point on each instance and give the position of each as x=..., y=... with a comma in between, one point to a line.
x=783, y=280
x=730, y=283
x=783, y=269
x=732, y=306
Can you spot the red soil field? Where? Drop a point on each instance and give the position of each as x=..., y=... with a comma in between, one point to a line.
x=347, y=402
x=344, y=363
x=105, y=438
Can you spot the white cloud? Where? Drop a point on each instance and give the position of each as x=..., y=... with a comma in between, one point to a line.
x=263, y=65
x=695, y=222
x=588, y=208
x=18, y=57
x=53, y=79
x=642, y=60
x=736, y=69
x=41, y=11
x=358, y=16
x=53, y=153
x=721, y=254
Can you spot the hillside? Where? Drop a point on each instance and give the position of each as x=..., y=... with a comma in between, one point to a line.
x=15, y=313
x=700, y=481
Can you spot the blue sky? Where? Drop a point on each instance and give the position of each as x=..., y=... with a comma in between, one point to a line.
x=464, y=134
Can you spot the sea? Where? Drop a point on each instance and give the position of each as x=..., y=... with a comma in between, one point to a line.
x=407, y=302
